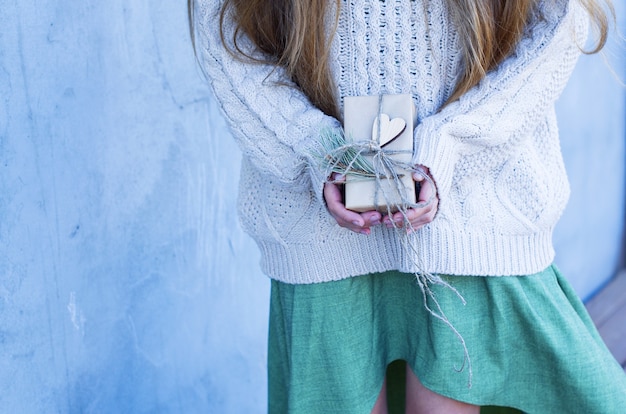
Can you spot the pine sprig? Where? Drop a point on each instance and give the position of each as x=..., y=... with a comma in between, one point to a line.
x=339, y=156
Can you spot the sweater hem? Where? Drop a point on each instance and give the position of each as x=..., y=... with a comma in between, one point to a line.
x=437, y=252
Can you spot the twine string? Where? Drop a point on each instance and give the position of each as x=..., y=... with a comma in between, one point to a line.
x=366, y=160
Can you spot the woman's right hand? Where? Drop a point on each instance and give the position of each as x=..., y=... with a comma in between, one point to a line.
x=357, y=222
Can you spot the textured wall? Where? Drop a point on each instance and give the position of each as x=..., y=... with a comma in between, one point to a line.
x=592, y=120
x=126, y=285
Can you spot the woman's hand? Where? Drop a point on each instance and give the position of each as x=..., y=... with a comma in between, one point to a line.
x=418, y=217
x=361, y=222
x=357, y=222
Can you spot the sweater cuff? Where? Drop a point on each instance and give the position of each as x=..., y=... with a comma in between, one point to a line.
x=437, y=151
x=317, y=173
x=318, y=178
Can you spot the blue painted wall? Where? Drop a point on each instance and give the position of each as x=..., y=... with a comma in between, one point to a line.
x=592, y=120
x=126, y=284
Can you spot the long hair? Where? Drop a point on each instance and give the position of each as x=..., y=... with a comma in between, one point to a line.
x=490, y=30
x=292, y=35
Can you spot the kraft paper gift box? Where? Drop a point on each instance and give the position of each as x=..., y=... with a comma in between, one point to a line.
x=360, y=115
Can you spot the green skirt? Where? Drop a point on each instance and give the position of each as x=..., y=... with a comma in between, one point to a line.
x=530, y=341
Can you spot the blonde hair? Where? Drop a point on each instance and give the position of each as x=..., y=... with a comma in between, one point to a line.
x=490, y=30
x=291, y=34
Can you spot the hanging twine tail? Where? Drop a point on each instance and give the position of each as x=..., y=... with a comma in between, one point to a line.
x=425, y=280
x=337, y=156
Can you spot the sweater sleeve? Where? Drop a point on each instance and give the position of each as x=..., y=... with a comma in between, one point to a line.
x=508, y=104
x=273, y=122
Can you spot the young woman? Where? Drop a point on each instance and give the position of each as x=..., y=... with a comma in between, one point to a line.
x=484, y=76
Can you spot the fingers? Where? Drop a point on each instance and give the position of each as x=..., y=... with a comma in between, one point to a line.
x=416, y=218
x=427, y=192
x=419, y=175
x=357, y=222
x=412, y=219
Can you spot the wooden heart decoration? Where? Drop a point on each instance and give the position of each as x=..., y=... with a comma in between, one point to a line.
x=389, y=129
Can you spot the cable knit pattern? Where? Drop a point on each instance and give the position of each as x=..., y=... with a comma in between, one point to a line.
x=494, y=154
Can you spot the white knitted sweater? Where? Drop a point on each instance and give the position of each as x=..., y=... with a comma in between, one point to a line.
x=494, y=154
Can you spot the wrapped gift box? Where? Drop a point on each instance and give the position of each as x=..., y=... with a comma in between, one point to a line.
x=361, y=114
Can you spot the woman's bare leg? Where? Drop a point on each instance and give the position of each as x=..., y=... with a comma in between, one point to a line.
x=381, y=403
x=421, y=400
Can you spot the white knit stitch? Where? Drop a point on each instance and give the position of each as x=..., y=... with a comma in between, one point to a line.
x=494, y=154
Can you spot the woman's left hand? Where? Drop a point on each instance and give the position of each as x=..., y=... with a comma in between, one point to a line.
x=418, y=217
